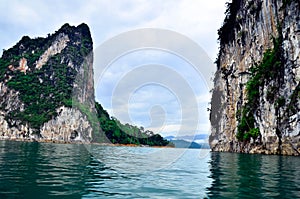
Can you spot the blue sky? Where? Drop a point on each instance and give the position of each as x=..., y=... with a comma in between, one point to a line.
x=154, y=105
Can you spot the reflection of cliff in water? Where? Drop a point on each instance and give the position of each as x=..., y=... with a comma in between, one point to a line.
x=254, y=176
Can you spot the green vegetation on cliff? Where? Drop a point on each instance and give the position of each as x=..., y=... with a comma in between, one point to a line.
x=232, y=23
x=117, y=132
x=44, y=74
x=261, y=74
x=45, y=89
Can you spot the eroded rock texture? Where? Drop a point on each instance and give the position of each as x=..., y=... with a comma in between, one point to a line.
x=47, y=88
x=255, y=105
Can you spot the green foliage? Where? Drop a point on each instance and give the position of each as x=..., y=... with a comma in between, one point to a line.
x=90, y=115
x=3, y=67
x=41, y=95
x=245, y=125
x=233, y=21
x=117, y=132
x=254, y=132
x=261, y=74
x=43, y=90
x=280, y=102
x=226, y=32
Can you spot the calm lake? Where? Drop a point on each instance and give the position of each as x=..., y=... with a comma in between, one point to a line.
x=45, y=170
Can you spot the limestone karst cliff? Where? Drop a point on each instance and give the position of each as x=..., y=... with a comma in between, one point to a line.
x=45, y=86
x=255, y=105
x=47, y=93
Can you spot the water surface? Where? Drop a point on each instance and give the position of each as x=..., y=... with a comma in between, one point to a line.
x=46, y=170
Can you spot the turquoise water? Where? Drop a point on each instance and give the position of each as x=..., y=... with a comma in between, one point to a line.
x=45, y=170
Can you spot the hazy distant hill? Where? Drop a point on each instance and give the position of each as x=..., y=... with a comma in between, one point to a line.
x=188, y=137
x=186, y=144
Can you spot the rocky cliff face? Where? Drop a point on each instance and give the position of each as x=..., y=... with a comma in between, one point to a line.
x=46, y=87
x=255, y=104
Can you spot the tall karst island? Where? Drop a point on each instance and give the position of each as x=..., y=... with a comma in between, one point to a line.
x=255, y=105
x=47, y=93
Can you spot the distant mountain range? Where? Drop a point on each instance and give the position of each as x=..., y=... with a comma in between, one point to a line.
x=188, y=137
x=191, y=145
x=198, y=141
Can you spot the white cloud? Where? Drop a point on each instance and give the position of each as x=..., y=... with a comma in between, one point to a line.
x=154, y=105
x=204, y=98
x=197, y=19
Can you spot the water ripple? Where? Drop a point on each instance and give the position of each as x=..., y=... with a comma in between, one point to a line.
x=44, y=170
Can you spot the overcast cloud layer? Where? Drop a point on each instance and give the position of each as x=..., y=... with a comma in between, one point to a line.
x=151, y=105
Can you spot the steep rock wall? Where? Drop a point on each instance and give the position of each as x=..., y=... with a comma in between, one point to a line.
x=47, y=88
x=68, y=125
x=254, y=32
